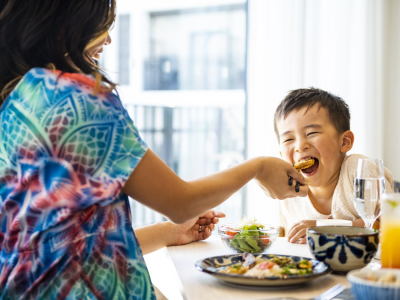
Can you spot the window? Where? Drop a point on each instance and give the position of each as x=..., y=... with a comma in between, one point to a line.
x=199, y=48
x=181, y=71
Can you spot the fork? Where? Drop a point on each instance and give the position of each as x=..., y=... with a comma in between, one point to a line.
x=327, y=295
x=331, y=293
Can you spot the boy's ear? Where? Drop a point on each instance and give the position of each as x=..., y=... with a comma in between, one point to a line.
x=347, y=141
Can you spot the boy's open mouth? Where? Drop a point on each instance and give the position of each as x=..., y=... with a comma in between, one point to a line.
x=313, y=169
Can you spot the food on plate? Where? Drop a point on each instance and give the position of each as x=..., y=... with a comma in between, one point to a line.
x=275, y=266
x=304, y=163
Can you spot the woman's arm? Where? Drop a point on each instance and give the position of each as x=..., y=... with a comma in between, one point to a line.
x=164, y=234
x=153, y=237
x=154, y=184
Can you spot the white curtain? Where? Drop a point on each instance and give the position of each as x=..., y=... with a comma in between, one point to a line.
x=335, y=45
x=391, y=86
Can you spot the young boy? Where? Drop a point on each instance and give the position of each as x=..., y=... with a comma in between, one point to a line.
x=313, y=125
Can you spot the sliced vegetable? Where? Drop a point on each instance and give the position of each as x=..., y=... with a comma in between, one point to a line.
x=250, y=238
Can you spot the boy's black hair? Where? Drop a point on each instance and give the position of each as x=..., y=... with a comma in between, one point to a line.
x=337, y=109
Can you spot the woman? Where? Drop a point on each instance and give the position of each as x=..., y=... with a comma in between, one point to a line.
x=70, y=156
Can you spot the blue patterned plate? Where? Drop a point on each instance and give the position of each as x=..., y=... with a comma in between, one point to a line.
x=214, y=265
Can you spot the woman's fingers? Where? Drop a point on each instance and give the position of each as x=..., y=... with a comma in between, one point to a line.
x=205, y=234
x=302, y=190
x=203, y=221
x=196, y=227
x=280, y=179
x=292, y=172
x=204, y=227
x=218, y=214
x=298, y=186
x=210, y=217
x=215, y=220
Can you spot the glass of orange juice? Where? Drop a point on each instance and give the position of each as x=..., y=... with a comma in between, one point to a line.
x=390, y=231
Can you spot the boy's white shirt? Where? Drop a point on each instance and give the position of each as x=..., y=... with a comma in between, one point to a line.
x=294, y=210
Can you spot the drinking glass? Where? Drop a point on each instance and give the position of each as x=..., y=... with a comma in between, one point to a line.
x=369, y=185
x=390, y=231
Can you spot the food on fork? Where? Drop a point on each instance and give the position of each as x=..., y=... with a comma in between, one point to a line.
x=304, y=163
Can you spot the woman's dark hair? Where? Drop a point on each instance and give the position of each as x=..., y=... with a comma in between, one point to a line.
x=43, y=33
x=338, y=110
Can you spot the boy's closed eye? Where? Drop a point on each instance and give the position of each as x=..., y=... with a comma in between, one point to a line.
x=313, y=133
x=287, y=140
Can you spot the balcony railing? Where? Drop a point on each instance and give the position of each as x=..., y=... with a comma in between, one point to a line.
x=193, y=141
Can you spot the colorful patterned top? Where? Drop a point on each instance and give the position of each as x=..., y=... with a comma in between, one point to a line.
x=65, y=226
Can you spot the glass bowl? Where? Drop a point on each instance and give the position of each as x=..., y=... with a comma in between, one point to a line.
x=255, y=238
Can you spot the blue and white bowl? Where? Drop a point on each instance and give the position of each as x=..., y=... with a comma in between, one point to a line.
x=343, y=248
x=382, y=284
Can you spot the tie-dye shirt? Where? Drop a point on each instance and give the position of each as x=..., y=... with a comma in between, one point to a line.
x=66, y=151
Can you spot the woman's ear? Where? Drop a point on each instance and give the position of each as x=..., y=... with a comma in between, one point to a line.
x=347, y=141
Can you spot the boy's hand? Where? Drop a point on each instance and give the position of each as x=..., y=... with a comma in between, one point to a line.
x=280, y=179
x=195, y=229
x=297, y=234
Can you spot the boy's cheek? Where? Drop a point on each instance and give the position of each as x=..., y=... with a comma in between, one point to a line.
x=284, y=152
x=288, y=160
x=285, y=156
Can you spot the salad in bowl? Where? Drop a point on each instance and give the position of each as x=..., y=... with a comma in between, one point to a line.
x=248, y=238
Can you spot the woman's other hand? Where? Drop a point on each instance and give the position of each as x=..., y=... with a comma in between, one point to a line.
x=193, y=230
x=156, y=236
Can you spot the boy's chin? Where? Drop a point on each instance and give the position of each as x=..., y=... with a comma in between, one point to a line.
x=312, y=181
x=317, y=184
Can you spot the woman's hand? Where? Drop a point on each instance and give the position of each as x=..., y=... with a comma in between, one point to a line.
x=297, y=234
x=193, y=230
x=156, y=236
x=280, y=179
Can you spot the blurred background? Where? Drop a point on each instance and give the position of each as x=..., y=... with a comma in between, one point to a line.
x=202, y=78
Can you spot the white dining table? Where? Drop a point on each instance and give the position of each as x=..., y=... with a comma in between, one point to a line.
x=175, y=274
